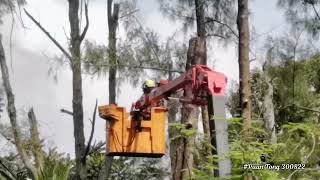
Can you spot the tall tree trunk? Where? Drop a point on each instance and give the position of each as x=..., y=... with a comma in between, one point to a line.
x=244, y=64
x=12, y=113
x=201, y=31
x=113, y=15
x=183, y=159
x=244, y=68
x=77, y=103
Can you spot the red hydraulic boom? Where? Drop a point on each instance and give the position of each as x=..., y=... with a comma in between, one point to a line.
x=201, y=79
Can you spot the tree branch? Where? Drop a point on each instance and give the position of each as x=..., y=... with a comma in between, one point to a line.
x=92, y=130
x=315, y=11
x=144, y=67
x=49, y=35
x=12, y=113
x=97, y=148
x=224, y=24
x=129, y=13
x=87, y=23
x=7, y=138
x=66, y=111
x=216, y=35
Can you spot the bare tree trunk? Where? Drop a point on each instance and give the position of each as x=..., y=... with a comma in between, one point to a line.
x=112, y=26
x=268, y=106
x=268, y=113
x=35, y=140
x=12, y=113
x=183, y=157
x=113, y=15
x=244, y=65
x=77, y=103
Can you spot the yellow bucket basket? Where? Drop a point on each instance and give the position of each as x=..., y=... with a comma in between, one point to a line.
x=124, y=140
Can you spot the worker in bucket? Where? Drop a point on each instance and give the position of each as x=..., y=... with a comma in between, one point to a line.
x=147, y=87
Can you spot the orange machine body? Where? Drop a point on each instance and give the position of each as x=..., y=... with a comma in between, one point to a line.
x=124, y=140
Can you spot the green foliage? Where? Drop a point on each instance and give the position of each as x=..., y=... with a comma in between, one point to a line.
x=95, y=163
x=312, y=70
x=55, y=167
x=178, y=130
x=137, y=168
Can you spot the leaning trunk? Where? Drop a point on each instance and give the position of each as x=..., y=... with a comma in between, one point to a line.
x=12, y=113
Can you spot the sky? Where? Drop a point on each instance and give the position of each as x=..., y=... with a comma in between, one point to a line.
x=34, y=54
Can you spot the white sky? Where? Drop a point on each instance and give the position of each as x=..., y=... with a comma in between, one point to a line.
x=31, y=48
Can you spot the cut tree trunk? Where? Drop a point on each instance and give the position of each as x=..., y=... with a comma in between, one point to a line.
x=35, y=140
x=268, y=113
x=244, y=64
x=183, y=157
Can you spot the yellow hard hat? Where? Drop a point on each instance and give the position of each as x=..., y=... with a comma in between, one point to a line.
x=149, y=84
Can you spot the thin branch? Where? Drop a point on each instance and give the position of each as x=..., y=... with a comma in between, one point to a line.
x=308, y=156
x=224, y=24
x=7, y=138
x=48, y=34
x=148, y=41
x=11, y=34
x=92, y=130
x=87, y=23
x=315, y=11
x=144, y=67
x=216, y=35
x=306, y=108
x=66, y=111
x=129, y=13
x=97, y=148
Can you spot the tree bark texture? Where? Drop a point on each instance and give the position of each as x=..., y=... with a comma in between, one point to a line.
x=112, y=26
x=77, y=102
x=268, y=106
x=244, y=64
x=12, y=113
x=268, y=113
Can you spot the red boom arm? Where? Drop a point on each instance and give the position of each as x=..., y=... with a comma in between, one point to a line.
x=203, y=81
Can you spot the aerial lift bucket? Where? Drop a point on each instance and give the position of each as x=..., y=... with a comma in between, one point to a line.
x=125, y=140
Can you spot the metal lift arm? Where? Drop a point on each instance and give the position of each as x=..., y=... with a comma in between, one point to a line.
x=203, y=82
